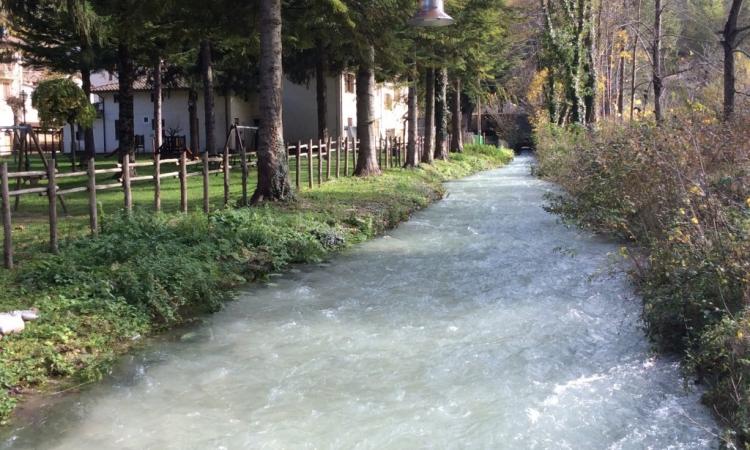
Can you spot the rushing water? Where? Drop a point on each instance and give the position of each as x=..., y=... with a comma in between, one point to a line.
x=481, y=323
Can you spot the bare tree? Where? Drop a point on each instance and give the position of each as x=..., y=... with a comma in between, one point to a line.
x=731, y=37
x=657, y=79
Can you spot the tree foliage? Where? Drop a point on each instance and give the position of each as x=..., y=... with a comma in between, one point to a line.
x=60, y=101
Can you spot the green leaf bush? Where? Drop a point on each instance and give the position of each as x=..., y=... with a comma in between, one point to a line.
x=681, y=193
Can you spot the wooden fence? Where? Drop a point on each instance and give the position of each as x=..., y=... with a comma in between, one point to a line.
x=333, y=158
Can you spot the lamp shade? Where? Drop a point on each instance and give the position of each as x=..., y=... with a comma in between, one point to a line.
x=431, y=14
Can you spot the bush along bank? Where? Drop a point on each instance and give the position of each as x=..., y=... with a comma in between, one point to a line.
x=144, y=273
x=681, y=194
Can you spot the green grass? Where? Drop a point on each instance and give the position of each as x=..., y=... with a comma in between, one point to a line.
x=147, y=272
x=30, y=220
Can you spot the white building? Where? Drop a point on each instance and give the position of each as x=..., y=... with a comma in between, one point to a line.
x=299, y=112
x=16, y=82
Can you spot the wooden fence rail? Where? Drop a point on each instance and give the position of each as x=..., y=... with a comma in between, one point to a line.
x=389, y=154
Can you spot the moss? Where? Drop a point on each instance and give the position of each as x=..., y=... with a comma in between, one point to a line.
x=147, y=272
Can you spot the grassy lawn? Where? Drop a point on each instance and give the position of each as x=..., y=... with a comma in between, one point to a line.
x=147, y=272
x=30, y=220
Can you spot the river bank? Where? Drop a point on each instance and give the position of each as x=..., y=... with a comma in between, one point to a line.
x=481, y=322
x=148, y=273
x=678, y=195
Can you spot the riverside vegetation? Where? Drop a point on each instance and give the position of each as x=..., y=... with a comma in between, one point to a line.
x=144, y=273
x=681, y=193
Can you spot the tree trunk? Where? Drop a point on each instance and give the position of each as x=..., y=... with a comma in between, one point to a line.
x=441, y=114
x=729, y=44
x=457, y=142
x=207, y=75
x=633, y=66
x=273, y=168
x=589, y=63
x=412, y=150
x=158, y=132
x=367, y=156
x=88, y=132
x=429, y=117
x=656, y=58
x=621, y=86
x=321, y=90
x=193, y=120
x=126, y=77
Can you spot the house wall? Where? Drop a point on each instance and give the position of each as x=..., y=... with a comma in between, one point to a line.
x=175, y=116
x=12, y=83
x=299, y=113
x=300, y=110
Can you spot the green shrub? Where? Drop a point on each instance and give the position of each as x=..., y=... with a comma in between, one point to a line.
x=681, y=193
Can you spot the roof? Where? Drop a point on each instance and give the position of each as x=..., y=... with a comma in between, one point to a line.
x=141, y=84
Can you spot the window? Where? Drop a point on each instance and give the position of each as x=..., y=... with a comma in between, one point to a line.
x=117, y=98
x=349, y=83
x=389, y=102
x=145, y=120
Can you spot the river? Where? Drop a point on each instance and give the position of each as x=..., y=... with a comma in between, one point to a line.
x=480, y=323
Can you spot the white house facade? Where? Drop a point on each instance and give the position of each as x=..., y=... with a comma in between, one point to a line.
x=16, y=81
x=299, y=112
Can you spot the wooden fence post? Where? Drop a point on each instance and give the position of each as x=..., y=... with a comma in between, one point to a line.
x=320, y=161
x=157, y=181
x=309, y=164
x=338, y=156
x=93, y=216
x=205, y=182
x=355, y=146
x=298, y=164
x=225, y=168
x=52, y=200
x=183, y=182
x=126, y=183
x=243, y=162
x=379, y=151
x=328, y=159
x=7, y=228
x=346, y=156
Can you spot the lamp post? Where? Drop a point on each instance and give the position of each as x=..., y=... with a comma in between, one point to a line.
x=431, y=14
x=24, y=96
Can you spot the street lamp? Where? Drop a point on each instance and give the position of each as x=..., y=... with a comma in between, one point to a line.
x=431, y=14
x=24, y=96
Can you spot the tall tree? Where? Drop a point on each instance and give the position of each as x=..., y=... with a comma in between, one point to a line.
x=384, y=22
x=441, y=114
x=429, y=116
x=457, y=141
x=367, y=159
x=412, y=149
x=273, y=171
x=656, y=61
x=207, y=76
x=731, y=37
x=568, y=51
